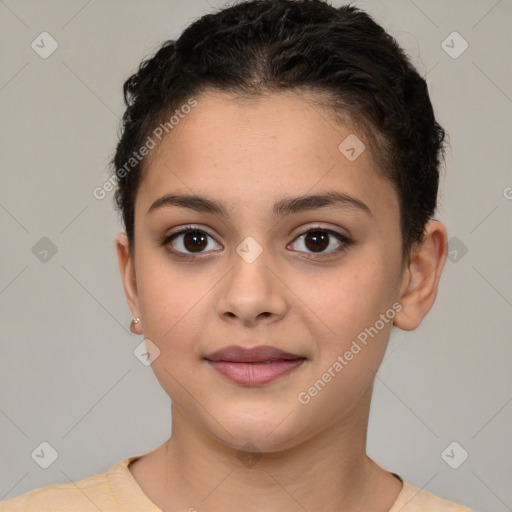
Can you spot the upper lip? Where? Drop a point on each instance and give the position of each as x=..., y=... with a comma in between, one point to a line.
x=237, y=354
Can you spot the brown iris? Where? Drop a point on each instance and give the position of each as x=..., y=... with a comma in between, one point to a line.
x=316, y=240
x=195, y=241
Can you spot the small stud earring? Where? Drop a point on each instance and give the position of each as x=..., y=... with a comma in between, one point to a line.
x=133, y=323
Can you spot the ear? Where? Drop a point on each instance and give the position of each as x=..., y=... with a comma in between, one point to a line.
x=421, y=278
x=127, y=269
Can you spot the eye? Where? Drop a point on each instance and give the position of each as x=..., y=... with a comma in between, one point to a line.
x=319, y=239
x=190, y=240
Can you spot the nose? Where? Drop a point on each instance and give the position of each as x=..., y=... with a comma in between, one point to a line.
x=252, y=292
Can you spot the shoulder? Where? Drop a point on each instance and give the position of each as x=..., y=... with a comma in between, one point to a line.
x=89, y=494
x=414, y=499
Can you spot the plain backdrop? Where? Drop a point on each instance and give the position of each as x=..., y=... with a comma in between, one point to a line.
x=68, y=375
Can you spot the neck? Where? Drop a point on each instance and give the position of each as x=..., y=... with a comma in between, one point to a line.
x=328, y=472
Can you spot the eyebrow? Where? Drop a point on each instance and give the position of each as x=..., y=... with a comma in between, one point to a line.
x=284, y=207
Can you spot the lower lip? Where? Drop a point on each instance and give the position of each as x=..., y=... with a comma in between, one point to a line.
x=256, y=373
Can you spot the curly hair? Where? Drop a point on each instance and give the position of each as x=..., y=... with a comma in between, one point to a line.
x=260, y=47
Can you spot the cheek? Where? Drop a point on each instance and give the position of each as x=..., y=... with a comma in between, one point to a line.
x=171, y=298
x=172, y=303
x=349, y=300
x=351, y=350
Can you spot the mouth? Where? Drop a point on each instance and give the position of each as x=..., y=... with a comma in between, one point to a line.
x=254, y=366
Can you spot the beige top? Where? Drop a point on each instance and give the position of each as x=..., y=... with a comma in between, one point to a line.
x=116, y=490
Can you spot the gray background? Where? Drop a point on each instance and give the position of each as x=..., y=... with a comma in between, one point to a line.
x=68, y=375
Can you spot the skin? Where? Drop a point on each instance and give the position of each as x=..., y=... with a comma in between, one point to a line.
x=250, y=154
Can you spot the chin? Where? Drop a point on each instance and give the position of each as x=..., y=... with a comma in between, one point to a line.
x=262, y=432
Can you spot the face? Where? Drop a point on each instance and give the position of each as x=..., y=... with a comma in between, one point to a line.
x=307, y=277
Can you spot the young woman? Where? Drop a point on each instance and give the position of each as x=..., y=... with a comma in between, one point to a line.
x=277, y=177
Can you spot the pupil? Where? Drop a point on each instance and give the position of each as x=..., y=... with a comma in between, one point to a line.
x=197, y=240
x=320, y=240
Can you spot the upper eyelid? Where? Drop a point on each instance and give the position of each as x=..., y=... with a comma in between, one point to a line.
x=185, y=229
x=303, y=231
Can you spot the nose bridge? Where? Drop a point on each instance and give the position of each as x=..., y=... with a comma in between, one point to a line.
x=251, y=288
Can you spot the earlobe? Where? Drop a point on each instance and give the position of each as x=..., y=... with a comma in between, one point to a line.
x=127, y=270
x=421, y=278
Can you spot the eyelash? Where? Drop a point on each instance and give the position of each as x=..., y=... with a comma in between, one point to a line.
x=345, y=242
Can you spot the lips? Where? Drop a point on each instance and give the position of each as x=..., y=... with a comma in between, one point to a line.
x=254, y=366
x=262, y=353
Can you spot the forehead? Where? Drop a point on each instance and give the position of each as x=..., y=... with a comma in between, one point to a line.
x=255, y=150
